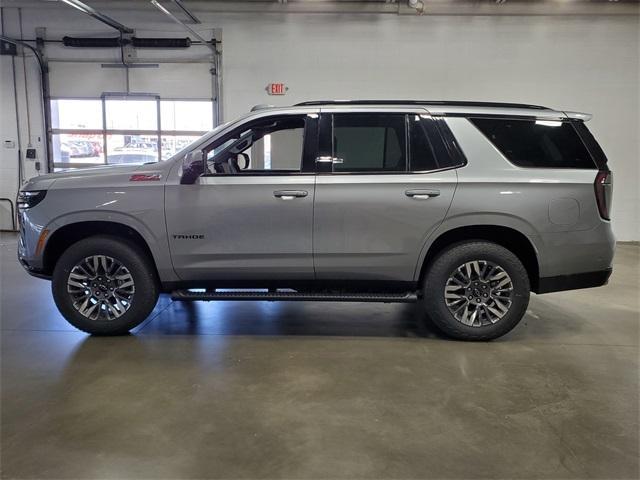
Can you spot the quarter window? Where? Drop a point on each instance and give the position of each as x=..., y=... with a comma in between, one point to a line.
x=536, y=143
x=421, y=152
x=369, y=143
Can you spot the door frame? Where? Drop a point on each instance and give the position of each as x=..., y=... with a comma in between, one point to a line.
x=309, y=145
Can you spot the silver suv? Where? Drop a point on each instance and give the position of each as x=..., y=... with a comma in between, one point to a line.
x=465, y=206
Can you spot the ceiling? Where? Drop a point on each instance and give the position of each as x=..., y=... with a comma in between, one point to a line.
x=430, y=7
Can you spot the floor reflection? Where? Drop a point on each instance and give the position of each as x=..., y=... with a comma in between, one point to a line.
x=290, y=318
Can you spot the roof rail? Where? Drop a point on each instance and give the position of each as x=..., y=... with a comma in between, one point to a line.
x=261, y=106
x=454, y=103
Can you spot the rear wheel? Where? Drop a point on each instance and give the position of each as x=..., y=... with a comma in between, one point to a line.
x=476, y=291
x=104, y=286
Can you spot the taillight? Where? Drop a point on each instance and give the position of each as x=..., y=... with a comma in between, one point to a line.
x=604, y=189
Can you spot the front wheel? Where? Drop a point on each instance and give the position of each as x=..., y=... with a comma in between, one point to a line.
x=476, y=291
x=104, y=286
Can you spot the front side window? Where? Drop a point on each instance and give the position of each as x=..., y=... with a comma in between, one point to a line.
x=536, y=143
x=272, y=145
x=369, y=142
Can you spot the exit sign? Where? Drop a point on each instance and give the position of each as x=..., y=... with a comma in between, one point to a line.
x=277, y=89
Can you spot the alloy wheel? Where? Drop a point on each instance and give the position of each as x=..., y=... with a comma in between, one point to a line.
x=101, y=287
x=478, y=293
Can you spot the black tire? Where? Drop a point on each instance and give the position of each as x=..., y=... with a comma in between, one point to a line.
x=138, y=264
x=447, y=262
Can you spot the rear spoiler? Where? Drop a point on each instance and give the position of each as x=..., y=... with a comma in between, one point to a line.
x=585, y=117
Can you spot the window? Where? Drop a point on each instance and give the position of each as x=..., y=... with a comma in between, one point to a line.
x=422, y=155
x=589, y=140
x=77, y=148
x=369, y=142
x=536, y=143
x=193, y=116
x=264, y=146
x=130, y=114
x=183, y=122
x=77, y=137
x=76, y=114
x=124, y=129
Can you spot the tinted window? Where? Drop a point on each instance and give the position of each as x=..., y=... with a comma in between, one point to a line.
x=591, y=143
x=536, y=143
x=369, y=142
x=448, y=152
x=420, y=150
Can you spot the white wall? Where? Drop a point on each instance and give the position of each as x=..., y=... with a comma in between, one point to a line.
x=25, y=133
x=573, y=63
x=583, y=63
x=8, y=132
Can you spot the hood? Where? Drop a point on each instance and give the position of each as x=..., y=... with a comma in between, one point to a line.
x=44, y=182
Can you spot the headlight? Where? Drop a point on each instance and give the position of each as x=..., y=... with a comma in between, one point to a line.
x=30, y=198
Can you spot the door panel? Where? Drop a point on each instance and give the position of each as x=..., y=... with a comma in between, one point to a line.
x=373, y=227
x=254, y=227
x=251, y=216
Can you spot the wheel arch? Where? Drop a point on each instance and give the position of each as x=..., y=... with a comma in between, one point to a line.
x=65, y=236
x=507, y=237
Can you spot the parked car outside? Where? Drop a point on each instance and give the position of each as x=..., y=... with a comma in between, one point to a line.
x=96, y=148
x=81, y=148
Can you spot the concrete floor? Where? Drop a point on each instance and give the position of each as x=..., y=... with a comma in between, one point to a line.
x=304, y=390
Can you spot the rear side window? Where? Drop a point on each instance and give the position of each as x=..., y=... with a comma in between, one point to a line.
x=536, y=143
x=591, y=143
x=369, y=142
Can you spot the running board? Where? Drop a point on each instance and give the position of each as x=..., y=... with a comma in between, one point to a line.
x=405, y=297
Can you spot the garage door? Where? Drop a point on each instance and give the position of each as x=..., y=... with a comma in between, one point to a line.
x=167, y=106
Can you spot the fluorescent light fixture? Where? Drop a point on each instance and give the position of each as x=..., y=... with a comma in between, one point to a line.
x=549, y=123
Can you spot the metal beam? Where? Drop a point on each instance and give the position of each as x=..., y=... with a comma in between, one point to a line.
x=186, y=11
x=92, y=12
x=160, y=7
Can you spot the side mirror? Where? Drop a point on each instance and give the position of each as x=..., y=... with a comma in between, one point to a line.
x=192, y=167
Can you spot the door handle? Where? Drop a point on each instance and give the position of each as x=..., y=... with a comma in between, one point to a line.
x=289, y=194
x=422, y=194
x=327, y=159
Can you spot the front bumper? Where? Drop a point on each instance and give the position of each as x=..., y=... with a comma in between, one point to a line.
x=28, y=256
x=33, y=271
